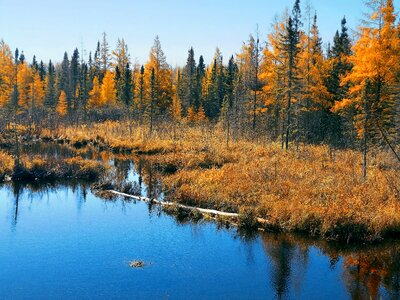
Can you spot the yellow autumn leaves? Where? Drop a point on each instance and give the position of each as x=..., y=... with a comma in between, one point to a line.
x=102, y=95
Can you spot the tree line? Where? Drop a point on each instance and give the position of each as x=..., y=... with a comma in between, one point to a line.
x=286, y=88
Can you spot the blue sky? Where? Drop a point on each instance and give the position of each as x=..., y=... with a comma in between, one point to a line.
x=48, y=27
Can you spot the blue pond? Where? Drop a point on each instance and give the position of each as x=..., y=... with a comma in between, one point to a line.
x=63, y=242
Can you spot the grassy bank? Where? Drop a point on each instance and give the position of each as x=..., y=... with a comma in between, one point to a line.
x=37, y=169
x=310, y=189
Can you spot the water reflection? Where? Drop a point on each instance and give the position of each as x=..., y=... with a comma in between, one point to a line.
x=371, y=272
x=281, y=266
x=374, y=273
x=16, y=193
x=368, y=272
x=285, y=255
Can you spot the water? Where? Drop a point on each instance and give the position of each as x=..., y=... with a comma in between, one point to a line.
x=63, y=242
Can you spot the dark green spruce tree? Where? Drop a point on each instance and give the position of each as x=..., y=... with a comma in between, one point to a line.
x=74, y=76
x=127, y=87
x=63, y=79
x=200, y=73
x=290, y=48
x=189, y=81
x=50, y=99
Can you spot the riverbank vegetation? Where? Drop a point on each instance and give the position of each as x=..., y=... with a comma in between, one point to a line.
x=304, y=136
x=30, y=168
x=313, y=189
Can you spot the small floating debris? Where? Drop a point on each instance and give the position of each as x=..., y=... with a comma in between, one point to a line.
x=137, y=264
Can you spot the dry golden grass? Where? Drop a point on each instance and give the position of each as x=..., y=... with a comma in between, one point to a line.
x=307, y=188
x=6, y=164
x=36, y=168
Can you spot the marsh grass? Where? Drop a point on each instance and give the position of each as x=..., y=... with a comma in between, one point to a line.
x=311, y=189
x=38, y=169
x=6, y=164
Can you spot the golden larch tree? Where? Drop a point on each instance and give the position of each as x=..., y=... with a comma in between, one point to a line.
x=374, y=75
x=108, y=92
x=37, y=91
x=191, y=114
x=272, y=74
x=95, y=94
x=7, y=74
x=62, y=105
x=176, y=108
x=201, y=115
x=24, y=83
x=163, y=86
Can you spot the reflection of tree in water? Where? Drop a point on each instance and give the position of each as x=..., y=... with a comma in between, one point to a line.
x=17, y=191
x=148, y=181
x=282, y=251
x=370, y=272
x=367, y=272
x=122, y=168
x=149, y=175
x=36, y=191
x=81, y=196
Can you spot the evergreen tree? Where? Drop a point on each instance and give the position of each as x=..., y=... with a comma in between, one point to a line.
x=212, y=105
x=42, y=71
x=340, y=67
x=189, y=81
x=200, y=74
x=34, y=65
x=84, y=86
x=15, y=96
x=142, y=92
x=127, y=90
x=95, y=70
x=230, y=79
x=51, y=97
x=255, y=84
x=290, y=48
x=22, y=58
x=74, y=77
x=16, y=56
x=180, y=88
x=63, y=79
x=119, y=83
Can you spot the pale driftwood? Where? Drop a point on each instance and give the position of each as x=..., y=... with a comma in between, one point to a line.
x=202, y=210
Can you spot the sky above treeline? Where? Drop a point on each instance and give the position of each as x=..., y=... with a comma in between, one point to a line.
x=47, y=28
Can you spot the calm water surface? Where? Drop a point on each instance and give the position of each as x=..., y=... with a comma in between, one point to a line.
x=63, y=242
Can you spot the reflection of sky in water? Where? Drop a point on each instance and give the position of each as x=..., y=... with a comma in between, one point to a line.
x=66, y=243
x=125, y=168
x=63, y=242
x=134, y=177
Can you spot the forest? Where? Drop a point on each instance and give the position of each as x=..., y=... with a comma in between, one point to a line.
x=304, y=135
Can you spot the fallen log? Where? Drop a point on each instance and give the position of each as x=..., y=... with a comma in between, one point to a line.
x=202, y=210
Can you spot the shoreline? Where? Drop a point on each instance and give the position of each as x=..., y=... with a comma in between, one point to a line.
x=247, y=179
